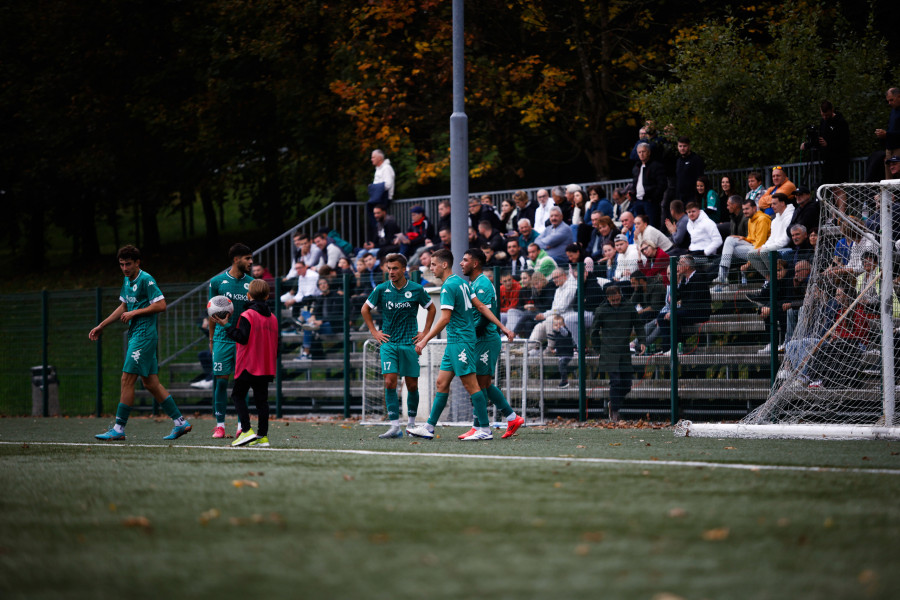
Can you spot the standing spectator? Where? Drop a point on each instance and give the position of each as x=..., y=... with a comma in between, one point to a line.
x=517, y=261
x=560, y=342
x=443, y=215
x=689, y=166
x=542, y=211
x=617, y=320
x=599, y=202
x=678, y=228
x=603, y=232
x=780, y=185
x=554, y=239
x=778, y=239
x=758, y=227
x=705, y=238
x=891, y=135
x=525, y=207
x=832, y=144
x=708, y=199
x=381, y=190
x=649, y=180
x=581, y=219
x=755, y=185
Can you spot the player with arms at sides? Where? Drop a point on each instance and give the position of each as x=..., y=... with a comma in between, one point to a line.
x=458, y=305
x=256, y=336
x=141, y=302
x=399, y=300
x=487, y=346
x=233, y=283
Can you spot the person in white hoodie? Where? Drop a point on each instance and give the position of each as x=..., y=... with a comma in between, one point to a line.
x=779, y=237
x=705, y=237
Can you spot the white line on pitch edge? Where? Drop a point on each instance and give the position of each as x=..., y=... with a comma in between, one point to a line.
x=586, y=460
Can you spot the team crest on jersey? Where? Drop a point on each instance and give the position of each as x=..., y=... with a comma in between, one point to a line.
x=463, y=358
x=136, y=356
x=408, y=294
x=246, y=286
x=134, y=288
x=484, y=357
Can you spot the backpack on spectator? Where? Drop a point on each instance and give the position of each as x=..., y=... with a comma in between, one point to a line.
x=345, y=246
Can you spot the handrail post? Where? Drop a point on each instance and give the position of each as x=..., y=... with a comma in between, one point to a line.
x=673, y=335
x=347, y=320
x=582, y=394
x=279, y=373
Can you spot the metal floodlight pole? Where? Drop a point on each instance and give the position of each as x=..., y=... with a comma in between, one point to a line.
x=459, y=144
x=887, y=304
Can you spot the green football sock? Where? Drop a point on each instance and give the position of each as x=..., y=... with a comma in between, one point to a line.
x=440, y=402
x=412, y=403
x=499, y=400
x=393, y=403
x=122, y=412
x=479, y=407
x=168, y=405
x=220, y=400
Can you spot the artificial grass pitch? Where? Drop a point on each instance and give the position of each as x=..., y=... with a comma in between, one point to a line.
x=194, y=518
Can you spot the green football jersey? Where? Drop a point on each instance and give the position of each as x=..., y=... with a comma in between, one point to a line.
x=226, y=285
x=141, y=293
x=399, y=309
x=484, y=291
x=456, y=295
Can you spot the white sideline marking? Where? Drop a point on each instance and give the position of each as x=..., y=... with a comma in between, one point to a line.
x=608, y=461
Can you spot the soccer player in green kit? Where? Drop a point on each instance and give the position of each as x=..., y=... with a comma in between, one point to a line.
x=487, y=348
x=399, y=300
x=141, y=302
x=233, y=283
x=458, y=305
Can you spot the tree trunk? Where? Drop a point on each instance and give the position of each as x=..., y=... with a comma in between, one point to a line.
x=209, y=216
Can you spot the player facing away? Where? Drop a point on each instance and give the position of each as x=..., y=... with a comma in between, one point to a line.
x=233, y=283
x=256, y=337
x=141, y=302
x=487, y=346
x=399, y=300
x=458, y=305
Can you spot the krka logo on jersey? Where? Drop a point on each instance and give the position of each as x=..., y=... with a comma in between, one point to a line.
x=243, y=297
x=397, y=305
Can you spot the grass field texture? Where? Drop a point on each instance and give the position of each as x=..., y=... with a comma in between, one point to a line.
x=333, y=512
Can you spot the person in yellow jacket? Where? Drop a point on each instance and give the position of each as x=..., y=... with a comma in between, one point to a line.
x=758, y=227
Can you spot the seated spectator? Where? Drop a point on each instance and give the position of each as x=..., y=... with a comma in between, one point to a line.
x=581, y=218
x=305, y=286
x=509, y=219
x=330, y=251
x=705, y=238
x=778, y=239
x=538, y=260
x=849, y=249
x=708, y=199
x=603, y=232
x=427, y=278
x=621, y=204
x=574, y=255
x=345, y=268
x=419, y=230
x=509, y=296
x=655, y=262
x=737, y=246
x=383, y=230
x=793, y=305
x=325, y=316
x=525, y=207
x=561, y=201
x=734, y=223
x=628, y=260
x=368, y=277
x=536, y=298
x=868, y=284
x=645, y=232
x=694, y=303
x=678, y=228
x=527, y=234
x=616, y=321
x=648, y=296
x=627, y=229
x=518, y=262
x=303, y=251
x=443, y=221
x=487, y=235
x=727, y=189
x=473, y=238
x=799, y=247
x=478, y=213
x=490, y=259
x=781, y=185
x=783, y=295
x=607, y=266
x=563, y=299
x=599, y=201
x=560, y=342
x=806, y=211
x=258, y=271
x=555, y=237
x=755, y=185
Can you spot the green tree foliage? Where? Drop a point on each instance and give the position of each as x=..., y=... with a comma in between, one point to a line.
x=745, y=88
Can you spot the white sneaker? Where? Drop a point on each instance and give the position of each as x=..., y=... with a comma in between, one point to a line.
x=536, y=352
x=479, y=436
x=765, y=350
x=420, y=431
x=203, y=384
x=393, y=432
x=781, y=347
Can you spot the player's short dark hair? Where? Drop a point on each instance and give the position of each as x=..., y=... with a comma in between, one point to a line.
x=684, y=140
x=258, y=290
x=477, y=254
x=396, y=257
x=128, y=252
x=443, y=255
x=239, y=250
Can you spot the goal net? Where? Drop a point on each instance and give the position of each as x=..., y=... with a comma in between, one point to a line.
x=522, y=389
x=837, y=375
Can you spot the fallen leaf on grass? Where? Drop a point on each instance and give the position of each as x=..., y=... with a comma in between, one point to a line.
x=730, y=448
x=616, y=444
x=244, y=483
x=829, y=523
x=346, y=427
x=139, y=522
x=414, y=443
x=677, y=512
x=472, y=530
x=25, y=446
x=783, y=522
x=558, y=484
x=255, y=473
x=113, y=507
x=592, y=536
x=208, y=515
x=348, y=477
x=716, y=535
x=580, y=446
x=379, y=538
x=582, y=549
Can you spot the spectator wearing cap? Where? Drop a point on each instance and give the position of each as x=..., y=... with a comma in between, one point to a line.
x=892, y=167
x=780, y=185
x=806, y=212
x=419, y=230
x=555, y=237
x=628, y=260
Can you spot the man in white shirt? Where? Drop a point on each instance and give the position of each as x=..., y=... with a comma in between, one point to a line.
x=305, y=251
x=778, y=237
x=705, y=237
x=628, y=260
x=542, y=213
x=307, y=285
x=384, y=172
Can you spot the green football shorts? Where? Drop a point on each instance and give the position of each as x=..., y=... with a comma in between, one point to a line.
x=140, y=358
x=223, y=357
x=487, y=351
x=401, y=359
x=459, y=358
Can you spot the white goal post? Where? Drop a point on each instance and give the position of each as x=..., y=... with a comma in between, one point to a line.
x=837, y=377
x=522, y=388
